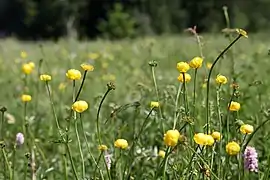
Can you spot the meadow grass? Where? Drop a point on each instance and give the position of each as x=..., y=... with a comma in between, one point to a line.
x=141, y=71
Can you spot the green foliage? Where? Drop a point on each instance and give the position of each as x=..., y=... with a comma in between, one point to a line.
x=119, y=24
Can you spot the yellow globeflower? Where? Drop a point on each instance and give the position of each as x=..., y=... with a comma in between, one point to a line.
x=74, y=74
x=196, y=63
x=209, y=140
x=220, y=79
x=171, y=137
x=26, y=98
x=232, y=148
x=242, y=32
x=102, y=147
x=181, y=77
x=23, y=54
x=154, y=104
x=27, y=68
x=182, y=67
x=87, y=67
x=246, y=129
x=45, y=77
x=234, y=106
x=200, y=138
x=161, y=153
x=32, y=64
x=121, y=143
x=80, y=106
x=216, y=135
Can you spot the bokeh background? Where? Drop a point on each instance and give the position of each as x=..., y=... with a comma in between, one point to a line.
x=43, y=19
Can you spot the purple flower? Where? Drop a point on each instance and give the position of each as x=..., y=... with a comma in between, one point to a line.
x=251, y=159
x=19, y=139
x=108, y=159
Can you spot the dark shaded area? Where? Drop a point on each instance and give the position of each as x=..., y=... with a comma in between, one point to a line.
x=43, y=19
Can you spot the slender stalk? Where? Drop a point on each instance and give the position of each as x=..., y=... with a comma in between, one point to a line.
x=81, y=86
x=184, y=94
x=13, y=160
x=220, y=128
x=176, y=105
x=65, y=166
x=194, y=94
x=2, y=125
x=71, y=161
x=165, y=163
x=209, y=76
x=228, y=116
x=6, y=162
x=79, y=146
x=212, y=156
x=157, y=94
x=99, y=158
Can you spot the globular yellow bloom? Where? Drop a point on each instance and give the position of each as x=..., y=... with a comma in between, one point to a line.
x=234, y=106
x=220, y=79
x=196, y=62
x=182, y=67
x=181, y=77
x=121, y=143
x=23, y=54
x=27, y=68
x=80, y=106
x=242, y=32
x=74, y=74
x=246, y=129
x=87, y=67
x=171, y=137
x=203, y=139
x=161, y=153
x=102, y=147
x=232, y=148
x=154, y=104
x=216, y=135
x=26, y=98
x=32, y=64
x=209, y=140
x=93, y=56
x=45, y=77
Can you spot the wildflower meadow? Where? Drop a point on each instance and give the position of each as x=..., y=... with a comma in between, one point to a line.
x=170, y=107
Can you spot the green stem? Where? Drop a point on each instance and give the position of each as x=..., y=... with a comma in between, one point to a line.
x=228, y=116
x=165, y=163
x=79, y=146
x=208, y=80
x=176, y=105
x=13, y=160
x=71, y=161
x=81, y=86
x=194, y=94
x=220, y=128
x=99, y=157
x=65, y=166
x=2, y=125
x=7, y=163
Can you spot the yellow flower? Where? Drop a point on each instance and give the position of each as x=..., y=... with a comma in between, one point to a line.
x=220, y=79
x=232, y=148
x=93, y=56
x=80, y=106
x=200, y=139
x=121, y=143
x=246, y=129
x=208, y=65
x=161, y=153
x=234, y=106
x=171, y=137
x=45, y=77
x=242, y=32
x=74, y=74
x=196, y=63
x=26, y=98
x=62, y=86
x=87, y=67
x=27, y=68
x=181, y=77
x=209, y=140
x=102, y=147
x=23, y=54
x=216, y=135
x=154, y=104
x=182, y=67
x=32, y=64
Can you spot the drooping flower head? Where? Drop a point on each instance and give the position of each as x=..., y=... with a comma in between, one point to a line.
x=121, y=143
x=80, y=106
x=196, y=62
x=232, y=148
x=251, y=159
x=171, y=137
x=181, y=77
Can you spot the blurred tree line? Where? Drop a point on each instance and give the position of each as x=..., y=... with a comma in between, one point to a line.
x=41, y=19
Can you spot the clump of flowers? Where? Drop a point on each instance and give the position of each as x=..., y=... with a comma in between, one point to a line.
x=181, y=77
x=234, y=106
x=26, y=98
x=182, y=67
x=246, y=129
x=74, y=74
x=251, y=159
x=232, y=148
x=80, y=106
x=121, y=143
x=171, y=137
x=196, y=62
